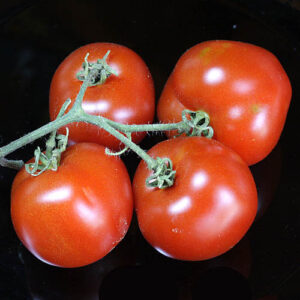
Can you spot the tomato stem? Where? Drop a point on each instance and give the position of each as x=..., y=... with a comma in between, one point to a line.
x=101, y=122
x=194, y=123
x=49, y=160
x=163, y=174
x=76, y=114
x=102, y=68
x=32, y=136
x=10, y=163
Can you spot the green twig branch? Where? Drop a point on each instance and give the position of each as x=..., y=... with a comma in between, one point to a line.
x=193, y=123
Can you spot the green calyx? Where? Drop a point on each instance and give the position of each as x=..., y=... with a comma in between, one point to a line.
x=55, y=146
x=198, y=122
x=163, y=174
x=99, y=71
x=49, y=160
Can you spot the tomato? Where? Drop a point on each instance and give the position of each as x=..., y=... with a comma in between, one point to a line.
x=242, y=87
x=209, y=208
x=76, y=215
x=126, y=98
x=169, y=108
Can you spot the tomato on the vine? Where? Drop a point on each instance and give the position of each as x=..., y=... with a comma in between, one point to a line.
x=209, y=208
x=76, y=215
x=242, y=87
x=127, y=97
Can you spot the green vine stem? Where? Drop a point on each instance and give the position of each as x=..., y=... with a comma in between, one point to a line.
x=193, y=123
x=78, y=115
x=55, y=146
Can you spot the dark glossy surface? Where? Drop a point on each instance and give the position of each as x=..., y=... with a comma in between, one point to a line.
x=36, y=35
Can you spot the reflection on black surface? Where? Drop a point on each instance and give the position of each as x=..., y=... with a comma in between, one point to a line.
x=158, y=277
x=221, y=283
x=138, y=282
x=239, y=258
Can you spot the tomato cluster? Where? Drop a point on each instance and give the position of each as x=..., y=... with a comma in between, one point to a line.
x=76, y=215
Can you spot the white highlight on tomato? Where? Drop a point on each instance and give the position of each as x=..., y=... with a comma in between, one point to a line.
x=259, y=123
x=95, y=107
x=223, y=211
x=225, y=196
x=199, y=180
x=180, y=206
x=123, y=114
x=163, y=252
x=227, y=207
x=242, y=86
x=235, y=112
x=88, y=214
x=57, y=195
x=214, y=75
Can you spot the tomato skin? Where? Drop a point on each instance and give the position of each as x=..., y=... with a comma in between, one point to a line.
x=209, y=208
x=242, y=87
x=127, y=98
x=76, y=215
x=169, y=108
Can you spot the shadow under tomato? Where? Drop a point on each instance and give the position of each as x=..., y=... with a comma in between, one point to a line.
x=138, y=282
x=239, y=258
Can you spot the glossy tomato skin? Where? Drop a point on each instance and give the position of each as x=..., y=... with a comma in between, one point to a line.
x=169, y=108
x=243, y=88
x=209, y=208
x=76, y=215
x=127, y=98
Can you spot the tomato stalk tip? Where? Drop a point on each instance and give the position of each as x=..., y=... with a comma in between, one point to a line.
x=163, y=174
x=198, y=122
x=101, y=70
x=49, y=160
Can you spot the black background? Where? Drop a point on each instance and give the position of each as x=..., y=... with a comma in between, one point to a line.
x=35, y=36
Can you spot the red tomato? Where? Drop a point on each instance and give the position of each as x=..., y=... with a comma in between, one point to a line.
x=169, y=108
x=209, y=208
x=76, y=215
x=127, y=98
x=242, y=87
